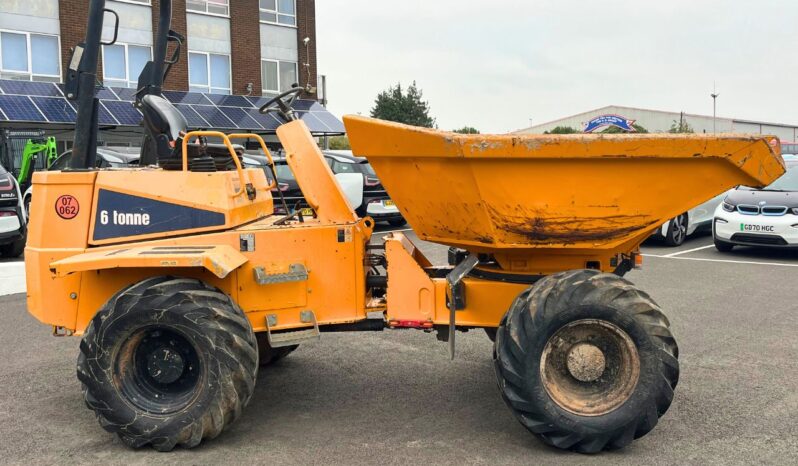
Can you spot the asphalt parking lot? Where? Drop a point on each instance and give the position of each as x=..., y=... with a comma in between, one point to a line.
x=394, y=397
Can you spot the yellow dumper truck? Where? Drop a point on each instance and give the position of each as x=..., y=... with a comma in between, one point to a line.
x=181, y=280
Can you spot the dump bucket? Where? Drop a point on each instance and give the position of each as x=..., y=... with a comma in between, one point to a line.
x=488, y=193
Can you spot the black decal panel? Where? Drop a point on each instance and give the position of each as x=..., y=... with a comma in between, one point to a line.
x=120, y=215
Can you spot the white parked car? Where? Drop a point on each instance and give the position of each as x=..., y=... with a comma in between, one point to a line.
x=675, y=231
x=13, y=218
x=760, y=217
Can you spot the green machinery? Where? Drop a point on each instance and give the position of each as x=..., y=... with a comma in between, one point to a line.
x=30, y=154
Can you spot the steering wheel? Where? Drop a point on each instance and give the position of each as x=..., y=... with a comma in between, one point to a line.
x=281, y=103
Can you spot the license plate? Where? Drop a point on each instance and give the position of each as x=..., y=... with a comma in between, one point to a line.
x=388, y=203
x=306, y=212
x=757, y=228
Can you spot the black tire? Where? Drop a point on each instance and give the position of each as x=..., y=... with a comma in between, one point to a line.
x=557, y=302
x=211, y=378
x=397, y=222
x=491, y=332
x=26, y=205
x=268, y=355
x=723, y=246
x=677, y=230
x=14, y=249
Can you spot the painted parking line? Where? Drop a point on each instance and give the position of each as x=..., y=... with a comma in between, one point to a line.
x=679, y=253
x=727, y=261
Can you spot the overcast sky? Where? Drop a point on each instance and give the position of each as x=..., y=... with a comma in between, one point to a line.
x=499, y=64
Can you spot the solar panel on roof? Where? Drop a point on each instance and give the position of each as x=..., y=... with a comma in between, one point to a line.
x=313, y=123
x=125, y=93
x=257, y=101
x=334, y=124
x=229, y=100
x=124, y=112
x=240, y=117
x=30, y=88
x=193, y=118
x=106, y=93
x=266, y=120
x=302, y=104
x=20, y=108
x=55, y=109
x=105, y=117
x=179, y=97
x=214, y=116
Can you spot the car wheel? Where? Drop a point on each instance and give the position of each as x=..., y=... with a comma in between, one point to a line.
x=723, y=246
x=397, y=222
x=677, y=230
x=26, y=205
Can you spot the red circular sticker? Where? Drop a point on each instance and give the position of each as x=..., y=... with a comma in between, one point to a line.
x=67, y=207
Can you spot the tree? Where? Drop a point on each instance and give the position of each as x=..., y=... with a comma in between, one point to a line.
x=339, y=143
x=616, y=130
x=681, y=126
x=562, y=130
x=400, y=106
x=467, y=130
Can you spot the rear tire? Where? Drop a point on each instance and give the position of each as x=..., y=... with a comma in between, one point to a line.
x=268, y=355
x=723, y=246
x=168, y=361
x=588, y=406
x=397, y=222
x=677, y=230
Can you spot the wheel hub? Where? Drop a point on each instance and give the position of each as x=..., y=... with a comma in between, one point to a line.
x=586, y=362
x=165, y=365
x=590, y=367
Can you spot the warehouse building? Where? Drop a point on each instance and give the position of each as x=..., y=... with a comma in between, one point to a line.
x=658, y=121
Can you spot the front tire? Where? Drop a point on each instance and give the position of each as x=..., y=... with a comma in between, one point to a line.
x=168, y=361
x=586, y=361
x=14, y=249
x=397, y=222
x=723, y=246
x=268, y=355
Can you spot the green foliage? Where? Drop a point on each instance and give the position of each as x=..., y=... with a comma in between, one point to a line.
x=616, y=130
x=467, y=130
x=681, y=126
x=400, y=106
x=339, y=143
x=562, y=130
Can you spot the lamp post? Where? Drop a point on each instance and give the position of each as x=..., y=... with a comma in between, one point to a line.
x=714, y=96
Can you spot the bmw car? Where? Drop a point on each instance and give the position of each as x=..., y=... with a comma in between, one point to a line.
x=760, y=217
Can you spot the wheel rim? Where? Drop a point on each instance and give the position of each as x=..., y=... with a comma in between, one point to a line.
x=590, y=367
x=158, y=370
x=679, y=229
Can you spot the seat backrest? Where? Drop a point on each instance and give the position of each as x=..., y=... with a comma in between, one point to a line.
x=161, y=117
x=163, y=127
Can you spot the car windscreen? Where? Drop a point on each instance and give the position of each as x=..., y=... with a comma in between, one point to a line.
x=367, y=169
x=786, y=182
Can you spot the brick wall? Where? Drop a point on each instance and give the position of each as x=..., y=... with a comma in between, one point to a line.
x=73, y=15
x=306, y=27
x=245, y=46
x=177, y=80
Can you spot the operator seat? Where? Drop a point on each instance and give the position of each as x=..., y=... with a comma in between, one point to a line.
x=166, y=127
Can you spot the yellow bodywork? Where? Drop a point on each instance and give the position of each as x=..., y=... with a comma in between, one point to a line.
x=537, y=204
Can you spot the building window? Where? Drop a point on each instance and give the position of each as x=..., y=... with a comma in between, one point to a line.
x=122, y=64
x=209, y=72
x=277, y=76
x=278, y=12
x=29, y=56
x=212, y=7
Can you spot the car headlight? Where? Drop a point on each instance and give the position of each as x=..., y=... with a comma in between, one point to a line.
x=729, y=207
